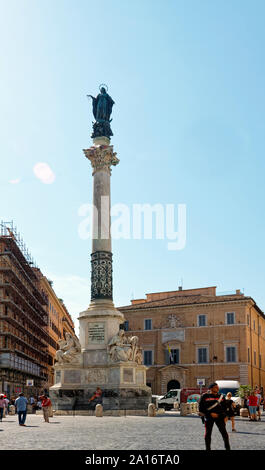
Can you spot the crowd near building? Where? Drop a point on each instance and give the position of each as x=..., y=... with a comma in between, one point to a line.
x=32, y=319
x=194, y=334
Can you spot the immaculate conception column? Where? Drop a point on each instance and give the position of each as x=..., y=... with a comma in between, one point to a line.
x=102, y=157
x=105, y=357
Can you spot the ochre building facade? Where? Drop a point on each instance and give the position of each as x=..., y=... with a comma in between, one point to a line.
x=59, y=323
x=195, y=334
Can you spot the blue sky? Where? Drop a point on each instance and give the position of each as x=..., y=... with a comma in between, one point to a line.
x=187, y=78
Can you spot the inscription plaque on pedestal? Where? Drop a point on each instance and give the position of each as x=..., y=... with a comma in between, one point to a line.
x=72, y=376
x=96, y=333
x=128, y=375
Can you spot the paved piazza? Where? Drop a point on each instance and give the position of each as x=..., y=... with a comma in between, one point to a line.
x=166, y=432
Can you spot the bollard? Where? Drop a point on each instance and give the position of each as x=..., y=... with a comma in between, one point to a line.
x=176, y=405
x=151, y=410
x=194, y=407
x=183, y=409
x=99, y=411
x=244, y=413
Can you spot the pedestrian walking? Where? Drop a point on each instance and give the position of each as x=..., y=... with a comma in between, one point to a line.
x=212, y=407
x=7, y=405
x=262, y=403
x=32, y=400
x=21, y=406
x=258, y=395
x=230, y=410
x=253, y=403
x=45, y=404
x=2, y=406
x=246, y=403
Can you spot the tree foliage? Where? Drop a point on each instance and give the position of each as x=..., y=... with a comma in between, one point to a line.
x=243, y=391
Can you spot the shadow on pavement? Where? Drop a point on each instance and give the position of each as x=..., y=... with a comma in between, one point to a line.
x=171, y=415
x=28, y=426
x=251, y=433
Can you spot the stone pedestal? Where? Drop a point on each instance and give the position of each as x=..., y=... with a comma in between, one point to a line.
x=123, y=387
x=106, y=360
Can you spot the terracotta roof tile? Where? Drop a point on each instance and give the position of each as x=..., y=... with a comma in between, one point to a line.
x=184, y=300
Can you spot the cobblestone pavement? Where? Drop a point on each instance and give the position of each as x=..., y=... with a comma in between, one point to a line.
x=166, y=432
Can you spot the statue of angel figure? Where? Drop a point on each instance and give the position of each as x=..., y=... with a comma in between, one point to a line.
x=69, y=351
x=123, y=349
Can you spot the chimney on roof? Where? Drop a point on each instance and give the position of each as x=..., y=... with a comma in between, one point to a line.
x=180, y=287
x=238, y=292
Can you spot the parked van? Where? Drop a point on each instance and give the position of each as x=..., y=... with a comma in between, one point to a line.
x=169, y=398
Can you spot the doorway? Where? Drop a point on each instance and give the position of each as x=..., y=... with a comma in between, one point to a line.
x=172, y=384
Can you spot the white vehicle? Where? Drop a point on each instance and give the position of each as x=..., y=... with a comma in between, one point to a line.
x=232, y=386
x=167, y=401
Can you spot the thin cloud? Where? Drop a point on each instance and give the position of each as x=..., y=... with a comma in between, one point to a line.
x=44, y=173
x=15, y=181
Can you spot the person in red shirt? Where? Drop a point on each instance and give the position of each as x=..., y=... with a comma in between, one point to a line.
x=97, y=397
x=252, y=404
x=45, y=404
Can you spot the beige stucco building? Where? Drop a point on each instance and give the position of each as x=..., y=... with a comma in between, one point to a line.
x=195, y=334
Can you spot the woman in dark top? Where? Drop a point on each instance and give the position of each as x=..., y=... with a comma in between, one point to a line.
x=230, y=410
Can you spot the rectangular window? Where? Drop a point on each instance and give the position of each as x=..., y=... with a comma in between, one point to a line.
x=201, y=320
x=260, y=361
x=248, y=355
x=248, y=320
x=148, y=324
x=231, y=354
x=126, y=325
x=255, y=357
x=230, y=318
x=254, y=325
x=148, y=358
x=202, y=355
x=174, y=356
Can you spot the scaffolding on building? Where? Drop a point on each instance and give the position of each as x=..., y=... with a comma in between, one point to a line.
x=23, y=314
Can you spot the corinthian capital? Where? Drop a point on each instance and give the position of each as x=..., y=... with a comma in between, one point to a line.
x=102, y=157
